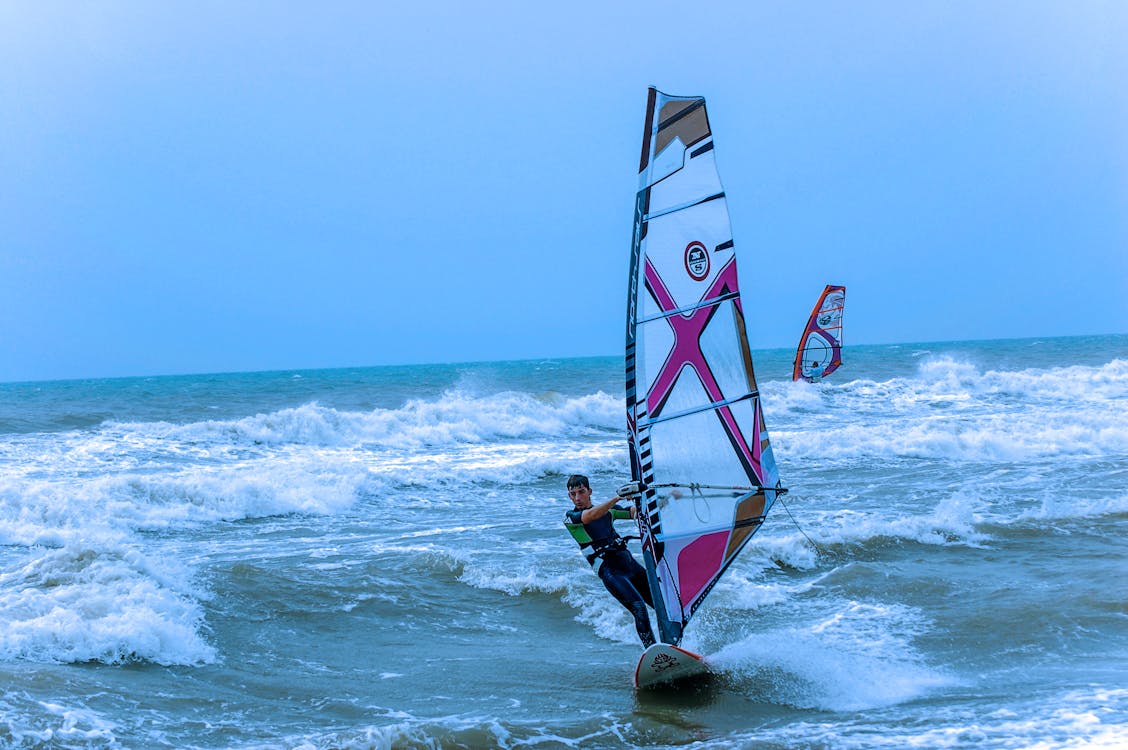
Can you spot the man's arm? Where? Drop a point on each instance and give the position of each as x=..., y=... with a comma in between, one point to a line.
x=596, y=512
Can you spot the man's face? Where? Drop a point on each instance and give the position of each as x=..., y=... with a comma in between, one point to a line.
x=581, y=497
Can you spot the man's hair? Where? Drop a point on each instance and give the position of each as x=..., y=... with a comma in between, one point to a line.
x=578, y=480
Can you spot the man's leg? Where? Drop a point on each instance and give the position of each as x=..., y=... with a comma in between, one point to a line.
x=620, y=586
x=641, y=582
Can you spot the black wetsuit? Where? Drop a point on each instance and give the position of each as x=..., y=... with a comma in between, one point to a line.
x=607, y=553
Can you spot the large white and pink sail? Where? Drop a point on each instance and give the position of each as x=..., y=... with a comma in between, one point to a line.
x=697, y=434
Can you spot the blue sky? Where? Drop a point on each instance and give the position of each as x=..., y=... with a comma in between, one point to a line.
x=213, y=186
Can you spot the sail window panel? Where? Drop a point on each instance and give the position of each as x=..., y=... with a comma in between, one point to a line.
x=697, y=448
x=751, y=441
x=696, y=179
x=722, y=347
x=684, y=393
x=745, y=415
x=665, y=163
x=691, y=513
x=738, y=456
x=769, y=471
x=817, y=347
x=676, y=460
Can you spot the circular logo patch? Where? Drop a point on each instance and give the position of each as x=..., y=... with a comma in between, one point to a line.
x=696, y=261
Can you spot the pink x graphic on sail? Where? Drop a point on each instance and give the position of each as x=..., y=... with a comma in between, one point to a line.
x=686, y=352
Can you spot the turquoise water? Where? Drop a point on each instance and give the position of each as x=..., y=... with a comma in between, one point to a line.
x=370, y=558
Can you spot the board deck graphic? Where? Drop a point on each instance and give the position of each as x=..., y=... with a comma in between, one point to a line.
x=663, y=664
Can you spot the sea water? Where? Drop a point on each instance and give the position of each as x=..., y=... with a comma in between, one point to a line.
x=374, y=558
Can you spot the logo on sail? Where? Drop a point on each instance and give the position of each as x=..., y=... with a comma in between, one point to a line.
x=696, y=261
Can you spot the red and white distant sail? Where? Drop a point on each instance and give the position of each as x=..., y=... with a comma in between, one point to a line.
x=820, y=348
x=698, y=440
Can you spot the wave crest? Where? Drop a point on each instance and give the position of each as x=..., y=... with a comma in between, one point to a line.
x=110, y=604
x=454, y=418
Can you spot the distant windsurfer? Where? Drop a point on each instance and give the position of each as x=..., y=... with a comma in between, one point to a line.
x=592, y=528
x=814, y=374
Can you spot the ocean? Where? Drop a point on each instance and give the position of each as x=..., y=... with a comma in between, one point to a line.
x=375, y=558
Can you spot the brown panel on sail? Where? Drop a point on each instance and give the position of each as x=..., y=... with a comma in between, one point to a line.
x=690, y=127
x=746, y=355
x=748, y=509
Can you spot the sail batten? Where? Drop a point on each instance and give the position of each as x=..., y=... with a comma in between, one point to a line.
x=698, y=440
x=690, y=308
x=682, y=207
x=690, y=109
x=752, y=521
x=706, y=407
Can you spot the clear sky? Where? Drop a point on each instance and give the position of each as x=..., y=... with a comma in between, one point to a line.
x=217, y=186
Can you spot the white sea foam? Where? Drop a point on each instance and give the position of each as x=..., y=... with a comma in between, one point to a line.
x=1030, y=434
x=470, y=731
x=46, y=512
x=55, y=724
x=108, y=602
x=596, y=609
x=1060, y=506
x=855, y=658
x=951, y=410
x=1090, y=719
x=948, y=520
x=88, y=589
x=306, y=460
x=453, y=418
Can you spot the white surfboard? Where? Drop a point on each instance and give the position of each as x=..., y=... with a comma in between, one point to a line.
x=663, y=664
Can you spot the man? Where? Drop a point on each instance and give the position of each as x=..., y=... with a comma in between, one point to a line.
x=606, y=551
x=814, y=374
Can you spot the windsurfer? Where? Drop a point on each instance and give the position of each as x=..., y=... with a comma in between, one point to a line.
x=814, y=374
x=592, y=528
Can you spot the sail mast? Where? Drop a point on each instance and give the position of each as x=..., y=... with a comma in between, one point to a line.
x=669, y=631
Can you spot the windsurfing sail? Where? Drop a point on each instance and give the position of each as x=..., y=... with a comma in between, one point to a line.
x=698, y=442
x=820, y=349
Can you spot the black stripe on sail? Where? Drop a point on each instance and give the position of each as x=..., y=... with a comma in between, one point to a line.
x=736, y=438
x=703, y=149
x=688, y=110
x=724, y=246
